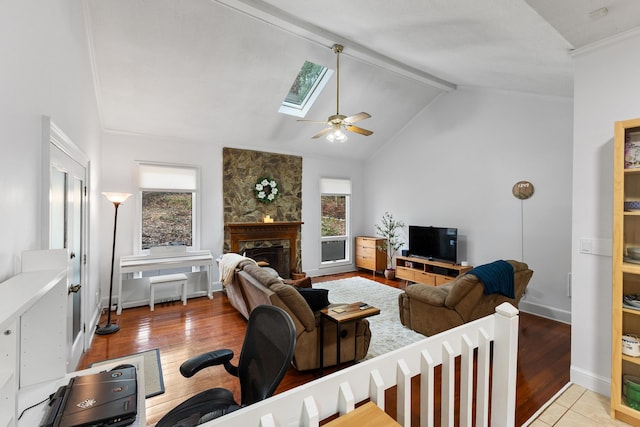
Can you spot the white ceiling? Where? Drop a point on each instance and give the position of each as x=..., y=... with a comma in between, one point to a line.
x=217, y=70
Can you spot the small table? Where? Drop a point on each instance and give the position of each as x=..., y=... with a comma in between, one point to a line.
x=368, y=414
x=341, y=314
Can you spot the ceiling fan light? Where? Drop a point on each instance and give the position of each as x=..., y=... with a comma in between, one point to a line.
x=337, y=136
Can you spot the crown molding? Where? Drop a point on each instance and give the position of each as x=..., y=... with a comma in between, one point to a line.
x=600, y=44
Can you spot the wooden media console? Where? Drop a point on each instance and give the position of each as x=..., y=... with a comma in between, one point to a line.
x=427, y=272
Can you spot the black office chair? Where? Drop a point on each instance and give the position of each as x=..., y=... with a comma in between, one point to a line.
x=266, y=354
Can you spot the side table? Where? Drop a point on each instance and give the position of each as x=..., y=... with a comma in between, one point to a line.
x=340, y=315
x=368, y=414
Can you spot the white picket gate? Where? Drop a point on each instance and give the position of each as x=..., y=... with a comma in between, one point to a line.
x=339, y=392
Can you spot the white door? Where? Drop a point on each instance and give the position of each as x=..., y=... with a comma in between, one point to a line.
x=67, y=226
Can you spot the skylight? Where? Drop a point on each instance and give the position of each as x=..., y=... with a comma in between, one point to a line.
x=305, y=89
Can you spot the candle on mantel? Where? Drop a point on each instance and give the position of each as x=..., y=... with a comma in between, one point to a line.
x=268, y=219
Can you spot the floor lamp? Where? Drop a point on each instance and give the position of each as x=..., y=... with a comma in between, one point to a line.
x=116, y=199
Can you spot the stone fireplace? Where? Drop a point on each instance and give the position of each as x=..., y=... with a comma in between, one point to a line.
x=245, y=231
x=276, y=243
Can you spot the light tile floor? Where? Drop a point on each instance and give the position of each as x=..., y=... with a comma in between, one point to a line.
x=576, y=406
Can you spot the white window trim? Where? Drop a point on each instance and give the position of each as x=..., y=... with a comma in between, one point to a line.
x=195, y=232
x=347, y=238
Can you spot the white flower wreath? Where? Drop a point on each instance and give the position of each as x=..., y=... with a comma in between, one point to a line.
x=266, y=190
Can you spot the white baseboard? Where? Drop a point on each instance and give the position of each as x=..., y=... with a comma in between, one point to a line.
x=563, y=316
x=590, y=381
x=90, y=328
x=345, y=268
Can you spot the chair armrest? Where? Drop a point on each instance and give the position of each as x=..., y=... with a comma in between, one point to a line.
x=433, y=295
x=218, y=357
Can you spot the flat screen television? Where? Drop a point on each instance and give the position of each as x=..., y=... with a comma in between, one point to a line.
x=434, y=243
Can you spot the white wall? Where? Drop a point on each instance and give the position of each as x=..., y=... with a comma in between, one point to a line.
x=455, y=165
x=119, y=155
x=44, y=70
x=120, y=151
x=314, y=168
x=606, y=90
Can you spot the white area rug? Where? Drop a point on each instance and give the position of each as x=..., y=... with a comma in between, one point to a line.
x=387, y=333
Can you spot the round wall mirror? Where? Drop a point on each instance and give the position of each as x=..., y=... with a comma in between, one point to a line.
x=522, y=190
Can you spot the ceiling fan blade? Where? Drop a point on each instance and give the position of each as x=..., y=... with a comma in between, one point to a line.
x=322, y=132
x=361, y=131
x=357, y=117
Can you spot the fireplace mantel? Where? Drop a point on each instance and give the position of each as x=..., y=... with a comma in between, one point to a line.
x=263, y=226
x=249, y=231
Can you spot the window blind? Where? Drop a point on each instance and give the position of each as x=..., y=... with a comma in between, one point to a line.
x=335, y=186
x=164, y=177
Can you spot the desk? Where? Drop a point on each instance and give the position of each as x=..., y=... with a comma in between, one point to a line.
x=168, y=260
x=33, y=394
x=366, y=415
x=339, y=315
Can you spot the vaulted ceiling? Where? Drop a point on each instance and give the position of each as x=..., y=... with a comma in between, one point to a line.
x=216, y=71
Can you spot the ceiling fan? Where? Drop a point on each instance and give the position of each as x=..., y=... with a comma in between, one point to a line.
x=337, y=123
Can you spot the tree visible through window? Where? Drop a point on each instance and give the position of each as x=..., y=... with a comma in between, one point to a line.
x=168, y=208
x=334, y=223
x=305, y=82
x=333, y=216
x=334, y=228
x=167, y=218
x=305, y=89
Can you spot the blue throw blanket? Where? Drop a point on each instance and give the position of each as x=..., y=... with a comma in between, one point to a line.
x=496, y=277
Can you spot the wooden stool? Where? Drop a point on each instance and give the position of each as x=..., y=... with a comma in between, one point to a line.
x=168, y=279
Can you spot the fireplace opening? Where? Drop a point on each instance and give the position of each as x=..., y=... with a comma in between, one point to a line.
x=276, y=256
x=242, y=237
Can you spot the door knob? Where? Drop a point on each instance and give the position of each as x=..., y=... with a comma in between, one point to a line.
x=74, y=289
x=73, y=255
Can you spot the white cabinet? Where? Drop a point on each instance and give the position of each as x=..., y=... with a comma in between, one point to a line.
x=33, y=327
x=8, y=369
x=33, y=337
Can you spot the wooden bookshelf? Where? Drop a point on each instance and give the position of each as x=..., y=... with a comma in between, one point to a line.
x=626, y=271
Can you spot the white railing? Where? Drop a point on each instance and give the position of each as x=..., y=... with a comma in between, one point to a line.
x=339, y=392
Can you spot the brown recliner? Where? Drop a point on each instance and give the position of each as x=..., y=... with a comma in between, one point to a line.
x=253, y=286
x=433, y=309
x=235, y=291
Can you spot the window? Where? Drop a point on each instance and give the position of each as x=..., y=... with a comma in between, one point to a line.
x=167, y=218
x=168, y=197
x=334, y=234
x=305, y=89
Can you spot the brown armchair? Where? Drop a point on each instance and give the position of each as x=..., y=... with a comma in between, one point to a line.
x=433, y=309
x=253, y=286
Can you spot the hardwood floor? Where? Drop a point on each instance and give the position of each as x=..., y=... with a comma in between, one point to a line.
x=203, y=325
